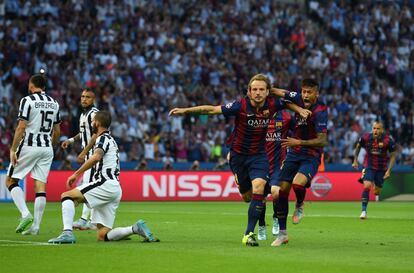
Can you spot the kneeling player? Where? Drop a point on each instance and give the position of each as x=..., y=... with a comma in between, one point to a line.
x=103, y=194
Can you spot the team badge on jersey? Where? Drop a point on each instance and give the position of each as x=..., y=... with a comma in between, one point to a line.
x=380, y=145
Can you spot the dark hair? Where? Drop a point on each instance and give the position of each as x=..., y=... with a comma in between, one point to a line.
x=310, y=83
x=260, y=77
x=104, y=118
x=39, y=81
x=89, y=89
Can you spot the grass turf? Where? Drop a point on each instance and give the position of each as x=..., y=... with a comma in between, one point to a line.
x=206, y=237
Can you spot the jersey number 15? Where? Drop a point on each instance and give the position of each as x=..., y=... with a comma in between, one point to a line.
x=46, y=121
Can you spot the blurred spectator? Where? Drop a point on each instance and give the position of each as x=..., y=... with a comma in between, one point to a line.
x=145, y=57
x=142, y=165
x=195, y=166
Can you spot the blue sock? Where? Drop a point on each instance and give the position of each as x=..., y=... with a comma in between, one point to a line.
x=282, y=209
x=262, y=221
x=365, y=199
x=274, y=208
x=255, y=210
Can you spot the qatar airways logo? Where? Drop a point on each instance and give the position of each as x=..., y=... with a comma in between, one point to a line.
x=258, y=123
x=188, y=185
x=275, y=136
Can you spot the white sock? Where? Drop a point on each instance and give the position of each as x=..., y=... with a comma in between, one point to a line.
x=377, y=198
x=86, y=212
x=39, y=208
x=119, y=233
x=68, y=212
x=18, y=197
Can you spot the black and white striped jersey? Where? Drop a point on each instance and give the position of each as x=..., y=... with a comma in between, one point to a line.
x=85, y=128
x=108, y=168
x=41, y=112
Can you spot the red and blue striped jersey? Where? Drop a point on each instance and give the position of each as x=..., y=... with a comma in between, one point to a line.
x=277, y=130
x=249, y=133
x=378, y=150
x=309, y=128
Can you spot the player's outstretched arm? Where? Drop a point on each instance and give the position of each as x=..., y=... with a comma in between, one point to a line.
x=356, y=153
x=203, y=109
x=304, y=113
x=319, y=141
x=277, y=92
x=85, y=151
x=95, y=158
x=69, y=141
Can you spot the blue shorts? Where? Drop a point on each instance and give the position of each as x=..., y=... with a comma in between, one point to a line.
x=274, y=178
x=374, y=176
x=293, y=164
x=246, y=168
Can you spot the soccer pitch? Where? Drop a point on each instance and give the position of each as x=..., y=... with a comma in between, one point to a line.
x=206, y=237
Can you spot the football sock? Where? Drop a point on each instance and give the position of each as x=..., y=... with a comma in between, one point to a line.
x=86, y=212
x=18, y=199
x=274, y=208
x=255, y=210
x=262, y=218
x=365, y=199
x=300, y=193
x=119, y=233
x=39, y=208
x=282, y=209
x=68, y=212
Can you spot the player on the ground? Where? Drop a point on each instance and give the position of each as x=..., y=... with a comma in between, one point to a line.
x=248, y=159
x=87, y=140
x=103, y=194
x=304, y=155
x=381, y=152
x=31, y=151
x=277, y=130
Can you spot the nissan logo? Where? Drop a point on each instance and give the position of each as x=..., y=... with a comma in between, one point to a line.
x=321, y=186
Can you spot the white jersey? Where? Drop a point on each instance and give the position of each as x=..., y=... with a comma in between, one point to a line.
x=41, y=112
x=35, y=151
x=85, y=128
x=108, y=168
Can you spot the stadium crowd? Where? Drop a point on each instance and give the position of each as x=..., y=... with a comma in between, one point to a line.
x=145, y=57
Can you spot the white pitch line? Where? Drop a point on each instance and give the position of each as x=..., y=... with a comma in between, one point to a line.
x=22, y=243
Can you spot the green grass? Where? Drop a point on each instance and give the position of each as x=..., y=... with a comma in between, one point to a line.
x=206, y=237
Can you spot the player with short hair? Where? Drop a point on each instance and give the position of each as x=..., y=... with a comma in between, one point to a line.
x=87, y=139
x=31, y=151
x=278, y=129
x=103, y=194
x=303, y=157
x=248, y=159
x=381, y=151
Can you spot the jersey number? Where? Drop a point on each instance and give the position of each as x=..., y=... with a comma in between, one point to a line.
x=46, y=121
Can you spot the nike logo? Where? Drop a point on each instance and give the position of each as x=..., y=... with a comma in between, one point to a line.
x=250, y=115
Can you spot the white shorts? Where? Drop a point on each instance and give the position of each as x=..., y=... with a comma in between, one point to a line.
x=87, y=176
x=103, y=199
x=36, y=160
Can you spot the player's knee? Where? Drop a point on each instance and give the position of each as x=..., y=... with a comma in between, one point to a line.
x=101, y=235
x=377, y=191
x=258, y=188
x=65, y=195
x=275, y=192
x=11, y=183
